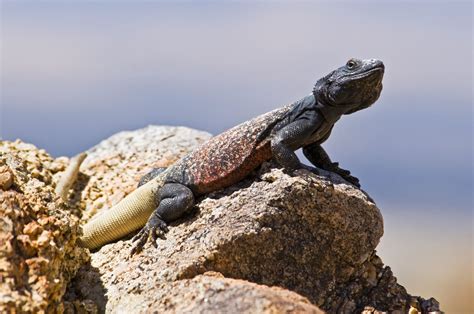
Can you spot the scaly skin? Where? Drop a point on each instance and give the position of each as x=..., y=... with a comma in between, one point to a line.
x=128, y=215
x=227, y=158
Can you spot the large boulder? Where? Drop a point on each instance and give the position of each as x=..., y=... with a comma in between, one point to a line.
x=312, y=234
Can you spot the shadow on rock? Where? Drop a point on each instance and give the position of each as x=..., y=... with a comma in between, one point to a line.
x=82, y=299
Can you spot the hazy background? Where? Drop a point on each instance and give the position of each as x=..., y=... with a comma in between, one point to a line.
x=74, y=73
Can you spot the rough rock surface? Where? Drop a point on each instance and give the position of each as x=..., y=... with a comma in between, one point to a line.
x=38, y=254
x=314, y=235
x=212, y=293
x=241, y=250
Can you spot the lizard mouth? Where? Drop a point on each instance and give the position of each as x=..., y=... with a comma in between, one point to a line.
x=375, y=72
x=372, y=73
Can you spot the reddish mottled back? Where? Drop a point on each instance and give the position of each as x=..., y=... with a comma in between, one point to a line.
x=229, y=157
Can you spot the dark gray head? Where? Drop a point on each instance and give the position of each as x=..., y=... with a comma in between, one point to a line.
x=352, y=87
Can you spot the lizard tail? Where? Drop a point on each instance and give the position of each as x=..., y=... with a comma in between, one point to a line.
x=128, y=215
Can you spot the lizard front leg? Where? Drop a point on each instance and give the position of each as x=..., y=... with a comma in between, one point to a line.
x=318, y=157
x=291, y=137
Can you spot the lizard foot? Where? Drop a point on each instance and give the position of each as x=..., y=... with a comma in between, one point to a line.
x=345, y=174
x=154, y=228
x=351, y=179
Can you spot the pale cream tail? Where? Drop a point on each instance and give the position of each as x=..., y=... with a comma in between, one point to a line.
x=128, y=215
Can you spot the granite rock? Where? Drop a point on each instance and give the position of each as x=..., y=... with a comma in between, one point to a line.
x=38, y=251
x=273, y=243
x=312, y=234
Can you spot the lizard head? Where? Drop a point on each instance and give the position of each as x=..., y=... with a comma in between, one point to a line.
x=352, y=87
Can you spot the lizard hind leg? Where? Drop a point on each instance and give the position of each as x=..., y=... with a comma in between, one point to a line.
x=150, y=175
x=174, y=200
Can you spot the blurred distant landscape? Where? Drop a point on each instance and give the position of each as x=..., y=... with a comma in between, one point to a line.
x=73, y=73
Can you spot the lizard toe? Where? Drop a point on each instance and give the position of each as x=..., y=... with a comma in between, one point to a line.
x=140, y=240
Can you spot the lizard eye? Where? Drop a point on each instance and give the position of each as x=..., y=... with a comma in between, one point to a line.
x=351, y=64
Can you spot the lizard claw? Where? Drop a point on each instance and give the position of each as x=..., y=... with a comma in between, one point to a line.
x=351, y=179
x=345, y=174
x=154, y=228
x=334, y=167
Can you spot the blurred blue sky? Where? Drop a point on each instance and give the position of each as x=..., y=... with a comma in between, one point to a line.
x=74, y=73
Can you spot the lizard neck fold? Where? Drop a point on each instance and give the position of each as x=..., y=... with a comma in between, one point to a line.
x=330, y=113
